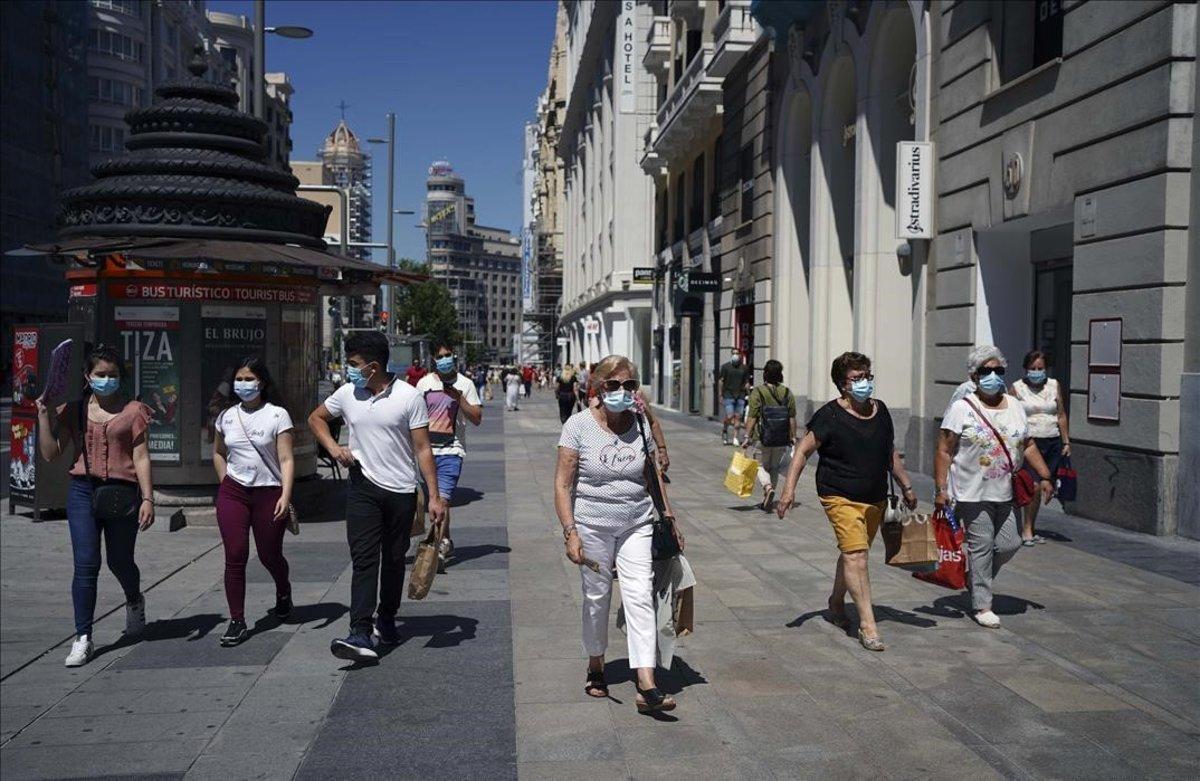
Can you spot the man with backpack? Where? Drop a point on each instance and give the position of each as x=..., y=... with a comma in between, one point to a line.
x=771, y=420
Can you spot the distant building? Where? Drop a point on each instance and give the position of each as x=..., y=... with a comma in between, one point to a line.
x=348, y=166
x=43, y=149
x=480, y=266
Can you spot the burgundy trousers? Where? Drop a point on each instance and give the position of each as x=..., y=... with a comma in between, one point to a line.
x=241, y=510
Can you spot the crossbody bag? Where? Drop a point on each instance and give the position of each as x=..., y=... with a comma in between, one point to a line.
x=293, y=520
x=663, y=544
x=1023, y=487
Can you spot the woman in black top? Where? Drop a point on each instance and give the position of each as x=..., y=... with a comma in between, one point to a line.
x=568, y=387
x=854, y=436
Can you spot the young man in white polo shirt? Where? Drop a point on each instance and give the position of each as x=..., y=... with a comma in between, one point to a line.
x=389, y=439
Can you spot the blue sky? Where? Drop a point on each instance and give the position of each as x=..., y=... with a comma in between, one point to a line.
x=462, y=77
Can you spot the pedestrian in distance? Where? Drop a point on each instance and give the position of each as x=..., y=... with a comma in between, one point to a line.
x=389, y=444
x=414, y=373
x=603, y=501
x=771, y=421
x=984, y=438
x=566, y=391
x=111, y=493
x=252, y=455
x=584, y=379
x=1046, y=414
x=733, y=380
x=527, y=379
x=512, y=389
x=479, y=376
x=855, y=438
x=452, y=400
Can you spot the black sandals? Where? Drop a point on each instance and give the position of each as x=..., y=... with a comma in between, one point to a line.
x=596, y=683
x=655, y=701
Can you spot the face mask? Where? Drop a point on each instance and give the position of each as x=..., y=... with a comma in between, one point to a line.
x=991, y=384
x=618, y=401
x=246, y=390
x=355, y=375
x=735, y=359
x=862, y=389
x=445, y=365
x=1036, y=376
x=104, y=386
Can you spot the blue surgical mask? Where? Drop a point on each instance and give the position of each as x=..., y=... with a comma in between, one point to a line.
x=1036, y=376
x=445, y=365
x=246, y=390
x=991, y=384
x=862, y=389
x=104, y=386
x=354, y=375
x=618, y=400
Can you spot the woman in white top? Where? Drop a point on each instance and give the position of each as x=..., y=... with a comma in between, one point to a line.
x=512, y=388
x=606, y=511
x=252, y=454
x=1043, y=404
x=973, y=470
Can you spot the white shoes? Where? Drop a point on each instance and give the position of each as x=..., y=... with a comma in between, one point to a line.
x=81, y=652
x=135, y=617
x=988, y=619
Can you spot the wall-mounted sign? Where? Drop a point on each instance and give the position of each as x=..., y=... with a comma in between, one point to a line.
x=627, y=57
x=205, y=291
x=914, y=190
x=1104, y=396
x=149, y=338
x=1104, y=369
x=1104, y=343
x=643, y=275
x=703, y=282
x=591, y=327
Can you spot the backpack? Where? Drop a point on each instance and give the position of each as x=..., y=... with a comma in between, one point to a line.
x=774, y=420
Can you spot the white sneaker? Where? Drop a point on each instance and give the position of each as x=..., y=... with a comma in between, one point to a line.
x=135, y=617
x=81, y=652
x=987, y=618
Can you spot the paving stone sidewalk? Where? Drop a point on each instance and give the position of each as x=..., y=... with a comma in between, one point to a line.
x=1093, y=675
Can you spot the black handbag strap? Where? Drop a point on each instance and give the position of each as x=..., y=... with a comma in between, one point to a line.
x=654, y=485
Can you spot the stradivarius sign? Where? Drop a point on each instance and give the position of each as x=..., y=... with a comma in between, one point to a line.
x=914, y=190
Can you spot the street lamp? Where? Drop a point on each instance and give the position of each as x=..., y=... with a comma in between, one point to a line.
x=260, y=46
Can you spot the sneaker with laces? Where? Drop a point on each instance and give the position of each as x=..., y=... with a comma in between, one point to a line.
x=283, y=606
x=987, y=619
x=235, y=633
x=81, y=652
x=356, y=648
x=135, y=616
x=386, y=632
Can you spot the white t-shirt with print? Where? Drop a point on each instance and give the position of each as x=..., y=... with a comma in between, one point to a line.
x=447, y=427
x=262, y=426
x=380, y=426
x=610, y=489
x=979, y=471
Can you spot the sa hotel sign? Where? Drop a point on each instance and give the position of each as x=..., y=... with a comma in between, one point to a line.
x=914, y=190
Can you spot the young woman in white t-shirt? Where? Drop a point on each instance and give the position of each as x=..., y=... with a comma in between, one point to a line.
x=1047, y=414
x=973, y=469
x=252, y=454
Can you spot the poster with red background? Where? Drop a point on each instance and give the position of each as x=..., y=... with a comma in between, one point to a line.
x=22, y=470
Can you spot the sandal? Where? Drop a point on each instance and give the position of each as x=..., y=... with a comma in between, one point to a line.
x=870, y=643
x=596, y=683
x=655, y=700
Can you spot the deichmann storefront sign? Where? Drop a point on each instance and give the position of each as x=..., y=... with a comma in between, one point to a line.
x=149, y=339
x=914, y=190
x=215, y=292
x=627, y=57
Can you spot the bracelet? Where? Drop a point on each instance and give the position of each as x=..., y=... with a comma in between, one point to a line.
x=568, y=531
x=147, y=499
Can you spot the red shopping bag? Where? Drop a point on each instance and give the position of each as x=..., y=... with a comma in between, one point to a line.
x=952, y=559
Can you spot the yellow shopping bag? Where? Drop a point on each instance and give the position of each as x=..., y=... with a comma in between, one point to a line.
x=739, y=478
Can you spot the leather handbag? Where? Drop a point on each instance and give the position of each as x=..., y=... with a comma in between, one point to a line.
x=1023, y=487
x=663, y=544
x=293, y=520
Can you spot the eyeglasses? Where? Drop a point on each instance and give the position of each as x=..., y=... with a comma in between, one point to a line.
x=867, y=376
x=984, y=371
x=612, y=386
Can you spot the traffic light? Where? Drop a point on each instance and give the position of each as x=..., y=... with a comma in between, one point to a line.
x=335, y=311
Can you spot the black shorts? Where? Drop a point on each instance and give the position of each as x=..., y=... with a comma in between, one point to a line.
x=1051, y=450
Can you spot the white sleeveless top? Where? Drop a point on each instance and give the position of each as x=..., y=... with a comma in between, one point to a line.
x=1041, y=407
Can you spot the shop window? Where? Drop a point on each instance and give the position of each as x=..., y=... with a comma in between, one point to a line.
x=746, y=177
x=1031, y=33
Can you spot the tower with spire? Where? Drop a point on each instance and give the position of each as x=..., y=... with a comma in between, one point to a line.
x=348, y=165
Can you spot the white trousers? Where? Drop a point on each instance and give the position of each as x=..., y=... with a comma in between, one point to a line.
x=631, y=551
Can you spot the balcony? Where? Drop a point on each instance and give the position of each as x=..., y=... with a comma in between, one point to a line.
x=735, y=33
x=658, y=44
x=695, y=99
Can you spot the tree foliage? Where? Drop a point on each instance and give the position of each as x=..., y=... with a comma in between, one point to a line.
x=426, y=308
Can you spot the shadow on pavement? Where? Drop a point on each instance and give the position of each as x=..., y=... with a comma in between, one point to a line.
x=464, y=495
x=959, y=606
x=443, y=631
x=470, y=552
x=191, y=628
x=882, y=613
x=326, y=612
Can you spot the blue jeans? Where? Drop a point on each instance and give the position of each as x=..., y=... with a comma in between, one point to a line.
x=449, y=469
x=120, y=536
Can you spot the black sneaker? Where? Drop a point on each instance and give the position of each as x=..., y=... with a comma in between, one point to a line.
x=283, y=606
x=234, y=634
x=356, y=648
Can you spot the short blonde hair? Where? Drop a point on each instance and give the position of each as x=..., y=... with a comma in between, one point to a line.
x=610, y=365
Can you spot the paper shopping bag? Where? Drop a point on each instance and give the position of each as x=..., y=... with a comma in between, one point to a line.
x=425, y=566
x=740, y=476
x=418, y=524
x=910, y=543
x=951, y=570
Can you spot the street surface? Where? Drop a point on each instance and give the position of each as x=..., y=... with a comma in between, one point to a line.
x=1093, y=675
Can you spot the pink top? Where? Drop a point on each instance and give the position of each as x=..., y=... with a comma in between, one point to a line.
x=110, y=444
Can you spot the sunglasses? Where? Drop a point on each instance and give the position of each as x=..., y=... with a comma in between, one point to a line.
x=984, y=371
x=867, y=376
x=612, y=386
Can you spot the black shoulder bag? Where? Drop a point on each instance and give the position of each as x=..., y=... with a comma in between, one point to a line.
x=663, y=544
x=112, y=499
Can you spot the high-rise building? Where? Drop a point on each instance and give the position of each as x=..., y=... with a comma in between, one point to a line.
x=348, y=166
x=480, y=266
